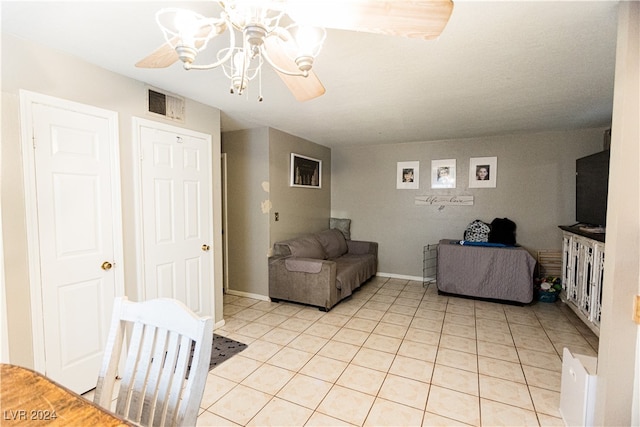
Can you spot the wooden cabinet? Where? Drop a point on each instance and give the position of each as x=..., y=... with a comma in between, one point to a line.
x=582, y=276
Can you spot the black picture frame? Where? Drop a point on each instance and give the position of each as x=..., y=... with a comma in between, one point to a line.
x=306, y=172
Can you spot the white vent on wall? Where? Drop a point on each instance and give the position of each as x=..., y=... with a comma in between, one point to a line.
x=169, y=106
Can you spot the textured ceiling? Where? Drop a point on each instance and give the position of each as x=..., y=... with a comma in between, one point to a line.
x=498, y=68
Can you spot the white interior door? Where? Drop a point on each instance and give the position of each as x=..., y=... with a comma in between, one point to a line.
x=77, y=242
x=176, y=212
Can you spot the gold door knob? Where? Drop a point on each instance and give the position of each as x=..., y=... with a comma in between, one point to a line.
x=205, y=248
x=106, y=265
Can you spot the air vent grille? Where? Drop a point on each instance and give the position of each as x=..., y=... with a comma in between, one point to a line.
x=169, y=106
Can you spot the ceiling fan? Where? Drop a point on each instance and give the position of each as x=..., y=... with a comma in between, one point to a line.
x=275, y=31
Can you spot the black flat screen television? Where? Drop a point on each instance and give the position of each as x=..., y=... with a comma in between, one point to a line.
x=592, y=184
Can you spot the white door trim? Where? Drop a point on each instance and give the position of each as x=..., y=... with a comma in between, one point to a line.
x=137, y=124
x=27, y=100
x=225, y=223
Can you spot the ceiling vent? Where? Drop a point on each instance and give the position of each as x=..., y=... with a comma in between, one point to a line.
x=169, y=106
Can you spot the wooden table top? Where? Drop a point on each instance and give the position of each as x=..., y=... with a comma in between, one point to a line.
x=28, y=398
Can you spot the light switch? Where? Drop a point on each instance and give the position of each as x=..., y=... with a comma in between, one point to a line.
x=277, y=215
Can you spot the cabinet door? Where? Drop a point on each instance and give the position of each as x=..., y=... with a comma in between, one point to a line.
x=569, y=266
x=585, y=274
x=575, y=265
x=597, y=278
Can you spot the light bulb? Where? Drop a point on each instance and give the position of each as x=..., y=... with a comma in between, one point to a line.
x=186, y=23
x=307, y=39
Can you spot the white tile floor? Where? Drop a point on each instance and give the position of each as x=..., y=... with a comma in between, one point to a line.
x=395, y=354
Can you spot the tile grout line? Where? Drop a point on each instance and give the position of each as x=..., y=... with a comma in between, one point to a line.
x=424, y=298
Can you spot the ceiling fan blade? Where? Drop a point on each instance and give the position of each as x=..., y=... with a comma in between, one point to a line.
x=302, y=88
x=423, y=19
x=162, y=57
x=166, y=55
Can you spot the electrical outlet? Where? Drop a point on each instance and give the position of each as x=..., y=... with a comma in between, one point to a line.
x=636, y=310
x=277, y=215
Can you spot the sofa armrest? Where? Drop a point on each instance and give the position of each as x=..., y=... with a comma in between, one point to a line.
x=360, y=247
x=303, y=265
x=293, y=283
x=290, y=264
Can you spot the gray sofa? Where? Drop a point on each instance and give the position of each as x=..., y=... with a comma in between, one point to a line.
x=320, y=269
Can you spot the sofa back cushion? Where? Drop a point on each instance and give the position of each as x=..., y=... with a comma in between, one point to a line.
x=333, y=242
x=306, y=247
x=342, y=224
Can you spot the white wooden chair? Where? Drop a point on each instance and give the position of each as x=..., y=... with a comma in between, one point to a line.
x=162, y=384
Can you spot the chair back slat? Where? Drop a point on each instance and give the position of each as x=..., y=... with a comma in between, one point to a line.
x=166, y=378
x=140, y=376
x=158, y=360
x=131, y=362
x=176, y=387
x=162, y=382
x=199, y=363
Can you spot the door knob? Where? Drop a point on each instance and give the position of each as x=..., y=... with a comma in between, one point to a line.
x=205, y=248
x=106, y=265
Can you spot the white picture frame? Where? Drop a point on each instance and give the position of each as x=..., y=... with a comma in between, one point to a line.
x=408, y=175
x=306, y=172
x=483, y=172
x=443, y=173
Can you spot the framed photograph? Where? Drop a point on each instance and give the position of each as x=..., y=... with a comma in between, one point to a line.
x=408, y=176
x=483, y=172
x=443, y=173
x=305, y=171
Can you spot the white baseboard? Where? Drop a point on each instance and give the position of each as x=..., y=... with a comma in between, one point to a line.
x=399, y=276
x=219, y=324
x=248, y=295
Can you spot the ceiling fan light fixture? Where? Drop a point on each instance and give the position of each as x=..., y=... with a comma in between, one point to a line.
x=185, y=28
x=254, y=34
x=188, y=33
x=187, y=54
x=308, y=40
x=241, y=69
x=244, y=13
x=270, y=28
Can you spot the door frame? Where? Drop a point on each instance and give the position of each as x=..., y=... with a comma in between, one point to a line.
x=225, y=223
x=137, y=123
x=27, y=100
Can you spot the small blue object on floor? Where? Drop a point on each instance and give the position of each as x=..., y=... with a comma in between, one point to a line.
x=544, y=296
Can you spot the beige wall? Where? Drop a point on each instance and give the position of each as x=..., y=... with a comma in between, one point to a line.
x=258, y=187
x=535, y=188
x=49, y=72
x=247, y=221
x=301, y=210
x=618, y=393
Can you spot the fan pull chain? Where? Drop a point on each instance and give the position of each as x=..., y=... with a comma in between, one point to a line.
x=260, y=84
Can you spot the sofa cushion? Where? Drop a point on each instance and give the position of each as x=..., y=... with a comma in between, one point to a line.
x=353, y=270
x=333, y=242
x=306, y=247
